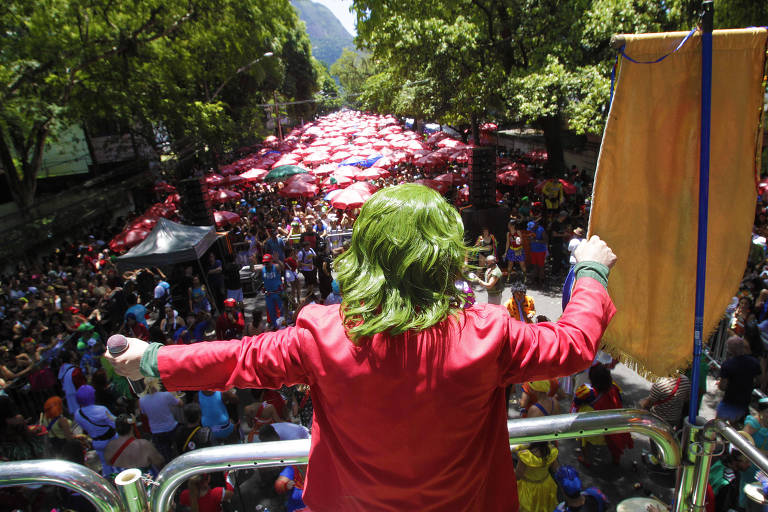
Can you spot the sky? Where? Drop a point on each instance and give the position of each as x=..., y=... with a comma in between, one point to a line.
x=340, y=9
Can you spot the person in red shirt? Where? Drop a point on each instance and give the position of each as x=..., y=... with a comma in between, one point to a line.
x=231, y=322
x=393, y=359
x=199, y=497
x=135, y=329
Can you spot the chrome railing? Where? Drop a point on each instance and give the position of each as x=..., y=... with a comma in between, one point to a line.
x=281, y=453
x=63, y=474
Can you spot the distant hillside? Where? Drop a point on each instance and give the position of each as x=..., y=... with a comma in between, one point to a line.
x=326, y=32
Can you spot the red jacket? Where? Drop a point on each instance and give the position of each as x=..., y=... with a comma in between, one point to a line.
x=410, y=422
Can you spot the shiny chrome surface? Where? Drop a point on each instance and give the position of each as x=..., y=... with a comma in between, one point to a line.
x=281, y=453
x=598, y=423
x=132, y=490
x=706, y=444
x=224, y=458
x=739, y=442
x=63, y=474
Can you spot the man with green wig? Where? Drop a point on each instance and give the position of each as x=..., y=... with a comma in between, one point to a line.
x=394, y=359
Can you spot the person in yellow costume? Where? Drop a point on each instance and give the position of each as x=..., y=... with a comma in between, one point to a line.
x=536, y=489
x=554, y=194
x=521, y=306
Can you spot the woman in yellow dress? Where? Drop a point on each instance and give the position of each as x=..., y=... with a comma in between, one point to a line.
x=536, y=489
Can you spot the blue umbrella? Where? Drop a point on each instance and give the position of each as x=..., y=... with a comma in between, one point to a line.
x=361, y=161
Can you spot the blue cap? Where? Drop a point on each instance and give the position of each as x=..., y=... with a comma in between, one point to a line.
x=569, y=480
x=531, y=225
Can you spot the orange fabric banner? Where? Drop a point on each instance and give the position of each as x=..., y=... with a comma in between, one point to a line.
x=645, y=202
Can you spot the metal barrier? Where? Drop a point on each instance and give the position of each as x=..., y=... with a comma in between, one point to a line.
x=64, y=474
x=260, y=455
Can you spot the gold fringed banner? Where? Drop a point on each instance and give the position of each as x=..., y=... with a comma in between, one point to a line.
x=645, y=201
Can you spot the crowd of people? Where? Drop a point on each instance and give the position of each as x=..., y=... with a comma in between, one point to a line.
x=61, y=397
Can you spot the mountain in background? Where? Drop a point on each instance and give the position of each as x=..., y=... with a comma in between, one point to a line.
x=326, y=32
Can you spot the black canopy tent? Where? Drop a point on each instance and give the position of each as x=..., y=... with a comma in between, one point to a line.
x=169, y=243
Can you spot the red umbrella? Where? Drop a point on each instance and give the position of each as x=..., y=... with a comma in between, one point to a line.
x=324, y=170
x=163, y=187
x=135, y=236
x=160, y=210
x=299, y=188
x=451, y=143
x=350, y=198
x=143, y=222
x=223, y=195
x=214, y=179
x=488, y=127
x=172, y=199
x=254, y=174
x=452, y=179
x=338, y=180
x=233, y=179
x=436, y=137
x=440, y=186
x=222, y=218
x=372, y=174
x=319, y=157
x=364, y=185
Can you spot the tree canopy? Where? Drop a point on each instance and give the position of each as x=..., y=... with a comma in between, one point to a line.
x=543, y=62
x=196, y=68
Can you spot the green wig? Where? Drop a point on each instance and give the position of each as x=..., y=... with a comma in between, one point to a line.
x=406, y=252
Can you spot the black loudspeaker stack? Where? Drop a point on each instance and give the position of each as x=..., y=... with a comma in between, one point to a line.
x=195, y=203
x=482, y=185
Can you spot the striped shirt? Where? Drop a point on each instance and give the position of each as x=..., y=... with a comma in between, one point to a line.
x=667, y=402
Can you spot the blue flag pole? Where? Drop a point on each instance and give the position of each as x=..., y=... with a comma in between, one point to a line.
x=704, y=150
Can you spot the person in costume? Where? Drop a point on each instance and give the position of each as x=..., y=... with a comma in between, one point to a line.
x=578, y=499
x=401, y=340
x=535, y=486
x=521, y=305
x=609, y=397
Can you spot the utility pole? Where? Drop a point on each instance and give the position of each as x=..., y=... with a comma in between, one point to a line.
x=277, y=117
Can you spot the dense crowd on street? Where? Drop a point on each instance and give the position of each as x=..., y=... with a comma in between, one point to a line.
x=61, y=398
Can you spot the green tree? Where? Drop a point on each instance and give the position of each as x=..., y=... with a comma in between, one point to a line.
x=353, y=68
x=194, y=68
x=544, y=62
x=49, y=51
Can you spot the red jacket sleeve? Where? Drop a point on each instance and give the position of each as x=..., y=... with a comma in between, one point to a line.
x=555, y=349
x=265, y=361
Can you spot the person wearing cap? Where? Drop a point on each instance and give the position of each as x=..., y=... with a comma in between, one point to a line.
x=273, y=289
x=544, y=404
x=231, y=322
x=521, y=305
x=578, y=499
x=402, y=340
x=576, y=238
x=97, y=421
x=134, y=329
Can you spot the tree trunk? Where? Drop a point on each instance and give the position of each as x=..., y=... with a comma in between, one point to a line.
x=554, y=144
x=475, y=131
x=23, y=185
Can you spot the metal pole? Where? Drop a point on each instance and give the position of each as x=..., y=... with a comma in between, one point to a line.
x=132, y=490
x=63, y=474
x=704, y=151
x=281, y=453
x=738, y=441
x=685, y=472
x=707, y=441
x=277, y=117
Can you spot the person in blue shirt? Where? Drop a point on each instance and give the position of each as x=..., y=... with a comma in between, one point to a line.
x=97, y=421
x=275, y=245
x=273, y=287
x=139, y=311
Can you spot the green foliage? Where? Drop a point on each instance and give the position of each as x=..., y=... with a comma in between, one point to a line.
x=353, y=69
x=145, y=63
